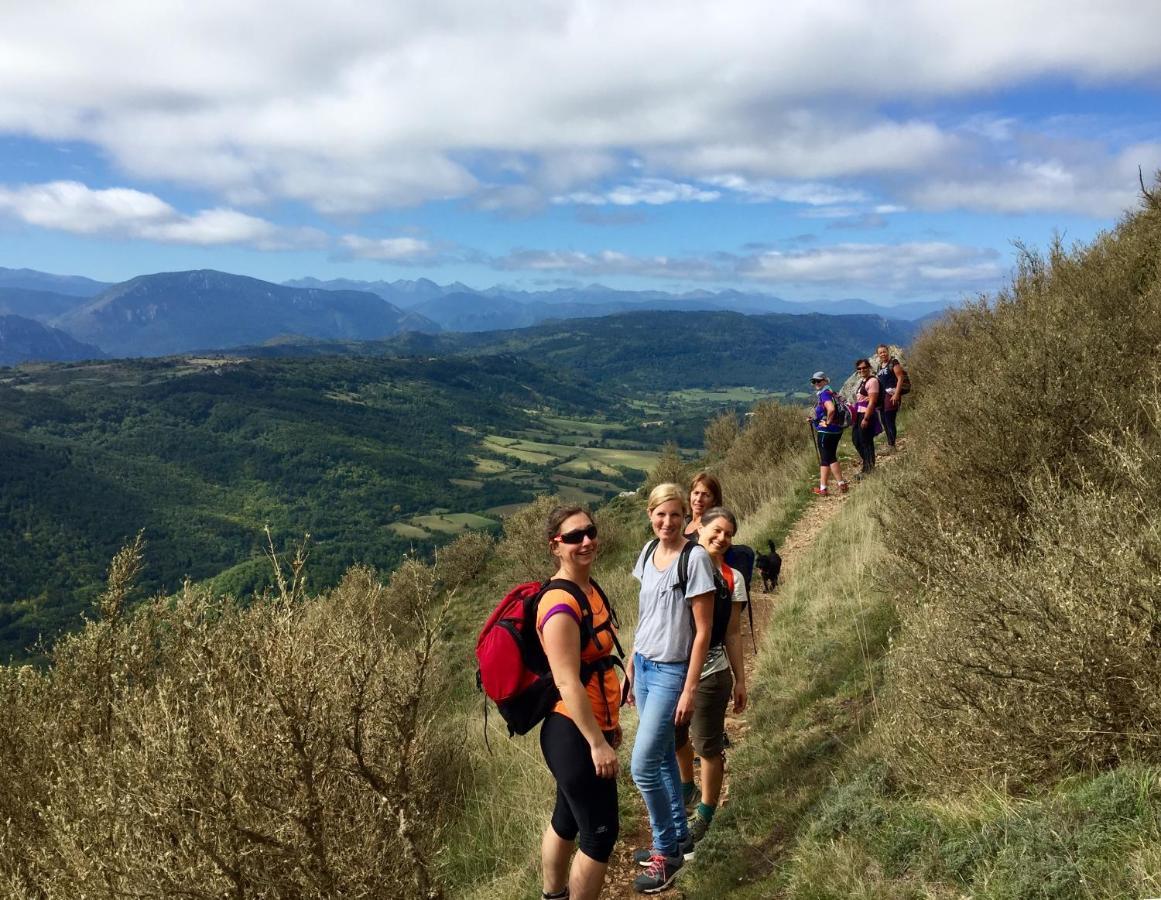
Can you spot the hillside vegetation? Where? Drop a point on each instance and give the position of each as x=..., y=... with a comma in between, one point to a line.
x=968, y=703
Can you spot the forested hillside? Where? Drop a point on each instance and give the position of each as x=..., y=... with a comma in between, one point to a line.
x=368, y=456
x=667, y=351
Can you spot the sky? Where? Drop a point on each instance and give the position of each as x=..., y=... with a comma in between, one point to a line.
x=893, y=150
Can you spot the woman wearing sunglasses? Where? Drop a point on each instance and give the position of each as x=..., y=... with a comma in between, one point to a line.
x=580, y=736
x=669, y=651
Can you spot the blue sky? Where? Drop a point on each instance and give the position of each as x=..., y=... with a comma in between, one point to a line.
x=890, y=151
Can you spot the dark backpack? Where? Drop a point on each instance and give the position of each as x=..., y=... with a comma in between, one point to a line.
x=842, y=411
x=513, y=670
x=903, y=385
x=741, y=557
x=723, y=596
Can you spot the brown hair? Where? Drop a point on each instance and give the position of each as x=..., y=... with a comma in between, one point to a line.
x=711, y=482
x=558, y=515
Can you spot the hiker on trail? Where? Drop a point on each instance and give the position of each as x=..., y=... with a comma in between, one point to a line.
x=723, y=676
x=705, y=491
x=890, y=377
x=828, y=432
x=670, y=649
x=580, y=736
x=866, y=420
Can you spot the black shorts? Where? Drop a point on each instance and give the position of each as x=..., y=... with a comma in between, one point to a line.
x=828, y=447
x=586, y=805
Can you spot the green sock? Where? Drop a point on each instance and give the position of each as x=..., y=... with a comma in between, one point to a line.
x=706, y=812
x=687, y=788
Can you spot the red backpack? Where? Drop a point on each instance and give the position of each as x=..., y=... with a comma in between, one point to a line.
x=513, y=671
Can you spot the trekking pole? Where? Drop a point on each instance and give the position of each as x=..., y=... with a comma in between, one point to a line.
x=814, y=440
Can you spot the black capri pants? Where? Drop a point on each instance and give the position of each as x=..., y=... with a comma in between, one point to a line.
x=586, y=805
x=828, y=447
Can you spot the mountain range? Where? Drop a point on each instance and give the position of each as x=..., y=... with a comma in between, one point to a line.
x=204, y=310
x=457, y=307
x=26, y=340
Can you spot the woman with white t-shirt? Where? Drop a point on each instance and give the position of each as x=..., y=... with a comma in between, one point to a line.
x=723, y=676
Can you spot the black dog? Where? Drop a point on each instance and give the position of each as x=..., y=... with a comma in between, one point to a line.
x=769, y=565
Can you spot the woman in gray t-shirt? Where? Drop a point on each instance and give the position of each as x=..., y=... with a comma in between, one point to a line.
x=669, y=650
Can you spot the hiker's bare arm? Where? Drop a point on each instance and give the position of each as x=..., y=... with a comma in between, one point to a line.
x=561, y=638
x=703, y=614
x=734, y=655
x=899, y=376
x=630, y=699
x=872, y=399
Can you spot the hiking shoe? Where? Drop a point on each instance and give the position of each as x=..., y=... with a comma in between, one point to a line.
x=844, y=486
x=821, y=491
x=659, y=875
x=642, y=856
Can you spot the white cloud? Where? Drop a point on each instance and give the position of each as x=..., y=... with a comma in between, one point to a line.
x=360, y=105
x=398, y=249
x=649, y=191
x=907, y=269
x=606, y=263
x=123, y=212
x=902, y=268
x=1082, y=183
x=808, y=193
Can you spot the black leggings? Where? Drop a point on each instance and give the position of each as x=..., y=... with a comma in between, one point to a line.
x=586, y=805
x=864, y=440
x=888, y=417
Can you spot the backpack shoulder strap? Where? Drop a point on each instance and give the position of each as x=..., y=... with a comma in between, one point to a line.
x=649, y=550
x=613, y=622
x=563, y=584
x=683, y=565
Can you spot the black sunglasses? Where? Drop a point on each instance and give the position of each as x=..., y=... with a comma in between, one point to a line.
x=575, y=537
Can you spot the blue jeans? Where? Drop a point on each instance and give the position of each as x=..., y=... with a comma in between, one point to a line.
x=657, y=688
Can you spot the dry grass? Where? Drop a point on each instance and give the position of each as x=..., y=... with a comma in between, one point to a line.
x=1032, y=557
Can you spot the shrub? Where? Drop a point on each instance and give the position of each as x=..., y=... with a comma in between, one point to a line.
x=670, y=467
x=772, y=434
x=720, y=435
x=1031, y=548
x=464, y=559
x=523, y=551
x=199, y=747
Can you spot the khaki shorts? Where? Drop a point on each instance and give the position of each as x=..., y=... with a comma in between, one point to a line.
x=708, y=727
